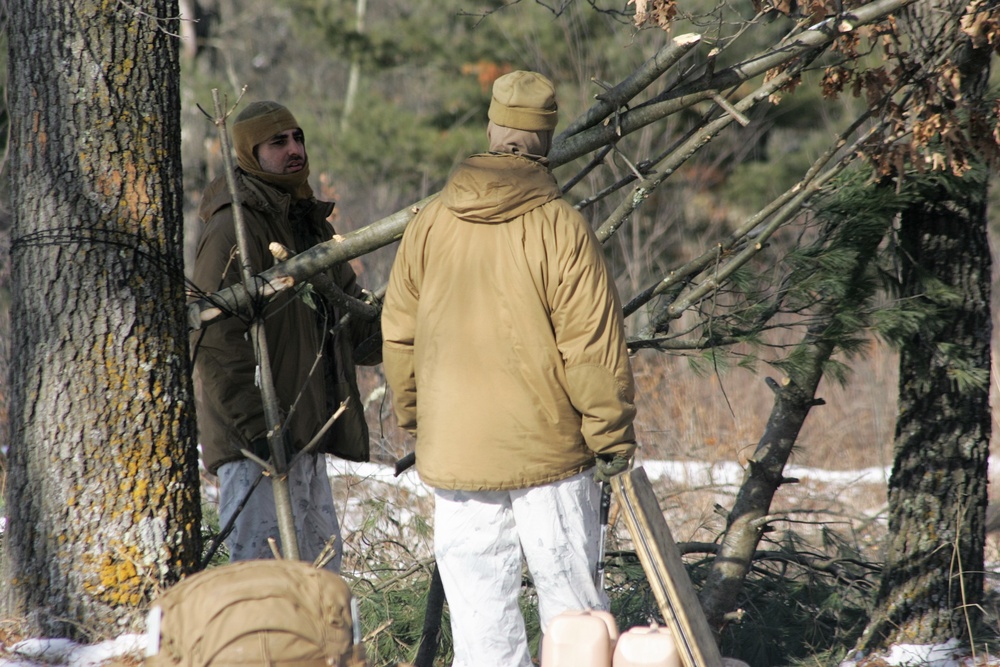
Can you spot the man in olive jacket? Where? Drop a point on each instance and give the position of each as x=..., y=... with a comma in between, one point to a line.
x=504, y=347
x=278, y=206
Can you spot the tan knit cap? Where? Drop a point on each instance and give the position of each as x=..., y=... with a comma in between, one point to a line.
x=524, y=101
x=256, y=124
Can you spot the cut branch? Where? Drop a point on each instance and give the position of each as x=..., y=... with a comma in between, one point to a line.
x=327, y=288
x=236, y=299
x=688, y=148
x=612, y=100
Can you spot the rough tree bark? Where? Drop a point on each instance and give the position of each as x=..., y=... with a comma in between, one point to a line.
x=933, y=575
x=102, y=488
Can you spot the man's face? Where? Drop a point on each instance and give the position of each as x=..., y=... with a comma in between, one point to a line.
x=284, y=153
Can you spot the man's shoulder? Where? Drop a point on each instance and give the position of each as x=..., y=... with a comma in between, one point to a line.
x=214, y=197
x=254, y=195
x=428, y=213
x=559, y=209
x=216, y=210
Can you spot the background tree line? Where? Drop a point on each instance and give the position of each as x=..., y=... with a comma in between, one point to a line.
x=736, y=235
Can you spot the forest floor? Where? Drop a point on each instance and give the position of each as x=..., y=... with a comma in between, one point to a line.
x=696, y=430
x=688, y=490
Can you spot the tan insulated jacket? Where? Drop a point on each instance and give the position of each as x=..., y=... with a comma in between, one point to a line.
x=503, y=337
x=230, y=412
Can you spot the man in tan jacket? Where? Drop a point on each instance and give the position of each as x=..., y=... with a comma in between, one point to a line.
x=278, y=206
x=505, y=351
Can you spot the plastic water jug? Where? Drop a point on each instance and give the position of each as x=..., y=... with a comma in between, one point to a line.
x=583, y=638
x=642, y=646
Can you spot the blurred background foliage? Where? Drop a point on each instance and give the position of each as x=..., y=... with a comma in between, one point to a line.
x=392, y=94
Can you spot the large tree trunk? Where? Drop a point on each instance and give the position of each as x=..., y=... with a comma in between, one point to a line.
x=102, y=490
x=933, y=575
x=933, y=578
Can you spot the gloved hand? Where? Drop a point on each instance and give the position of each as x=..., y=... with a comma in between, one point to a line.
x=609, y=467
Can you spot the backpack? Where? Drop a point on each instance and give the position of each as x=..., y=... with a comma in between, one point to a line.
x=259, y=612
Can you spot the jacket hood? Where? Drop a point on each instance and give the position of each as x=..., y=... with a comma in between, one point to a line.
x=214, y=197
x=253, y=193
x=493, y=188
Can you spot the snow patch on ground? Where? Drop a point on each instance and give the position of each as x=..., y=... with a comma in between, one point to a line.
x=949, y=654
x=693, y=473
x=35, y=652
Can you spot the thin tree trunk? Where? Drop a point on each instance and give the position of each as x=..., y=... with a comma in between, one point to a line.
x=794, y=398
x=354, y=77
x=102, y=489
x=276, y=438
x=748, y=518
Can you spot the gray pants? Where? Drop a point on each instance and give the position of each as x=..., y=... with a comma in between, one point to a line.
x=312, y=509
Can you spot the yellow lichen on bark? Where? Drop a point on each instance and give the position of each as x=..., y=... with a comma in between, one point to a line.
x=139, y=489
x=125, y=68
x=116, y=380
x=119, y=582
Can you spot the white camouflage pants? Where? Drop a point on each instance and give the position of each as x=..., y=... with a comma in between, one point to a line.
x=312, y=509
x=479, y=537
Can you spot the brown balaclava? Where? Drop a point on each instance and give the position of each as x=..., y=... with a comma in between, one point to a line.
x=523, y=113
x=256, y=124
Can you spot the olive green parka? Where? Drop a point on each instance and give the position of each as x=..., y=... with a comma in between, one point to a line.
x=298, y=328
x=503, y=337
